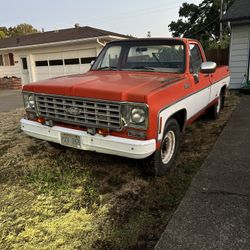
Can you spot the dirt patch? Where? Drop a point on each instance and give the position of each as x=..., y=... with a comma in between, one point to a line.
x=70, y=199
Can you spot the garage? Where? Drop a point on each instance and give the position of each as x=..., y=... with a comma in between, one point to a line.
x=53, y=53
x=51, y=65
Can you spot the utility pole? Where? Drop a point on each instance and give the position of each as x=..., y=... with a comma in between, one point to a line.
x=219, y=47
x=221, y=14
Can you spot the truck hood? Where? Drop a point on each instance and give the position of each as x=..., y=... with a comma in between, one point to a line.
x=106, y=85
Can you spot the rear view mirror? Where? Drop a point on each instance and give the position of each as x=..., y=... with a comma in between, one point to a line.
x=208, y=67
x=141, y=49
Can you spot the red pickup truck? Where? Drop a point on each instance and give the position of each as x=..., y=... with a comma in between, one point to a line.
x=135, y=101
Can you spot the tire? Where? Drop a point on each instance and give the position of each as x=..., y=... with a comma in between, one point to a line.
x=215, y=110
x=163, y=159
x=56, y=145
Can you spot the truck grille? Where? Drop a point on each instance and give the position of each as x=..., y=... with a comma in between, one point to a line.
x=79, y=111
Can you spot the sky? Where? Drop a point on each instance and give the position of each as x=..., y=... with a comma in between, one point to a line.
x=129, y=17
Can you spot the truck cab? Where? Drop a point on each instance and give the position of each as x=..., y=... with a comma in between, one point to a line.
x=135, y=101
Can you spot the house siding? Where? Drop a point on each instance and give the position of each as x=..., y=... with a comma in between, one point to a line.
x=239, y=55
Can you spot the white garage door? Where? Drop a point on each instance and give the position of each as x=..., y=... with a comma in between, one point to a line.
x=51, y=65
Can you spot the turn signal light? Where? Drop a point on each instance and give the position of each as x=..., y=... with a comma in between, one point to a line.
x=41, y=120
x=103, y=131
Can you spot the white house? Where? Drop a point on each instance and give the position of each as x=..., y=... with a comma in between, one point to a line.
x=54, y=53
x=238, y=17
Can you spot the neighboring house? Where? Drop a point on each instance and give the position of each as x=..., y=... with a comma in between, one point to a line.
x=50, y=54
x=238, y=16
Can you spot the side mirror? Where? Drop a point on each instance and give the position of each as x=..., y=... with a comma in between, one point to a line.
x=208, y=67
x=92, y=62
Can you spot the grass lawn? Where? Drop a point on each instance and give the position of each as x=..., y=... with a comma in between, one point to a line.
x=70, y=199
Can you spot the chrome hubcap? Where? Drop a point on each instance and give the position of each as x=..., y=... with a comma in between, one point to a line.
x=168, y=147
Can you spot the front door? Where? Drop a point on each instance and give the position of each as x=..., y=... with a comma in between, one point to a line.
x=25, y=70
x=200, y=82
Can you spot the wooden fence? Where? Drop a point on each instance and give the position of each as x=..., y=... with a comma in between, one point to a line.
x=220, y=56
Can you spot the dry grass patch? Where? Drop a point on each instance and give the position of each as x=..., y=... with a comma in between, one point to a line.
x=70, y=199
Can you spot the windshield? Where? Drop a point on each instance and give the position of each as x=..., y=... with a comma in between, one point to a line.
x=142, y=57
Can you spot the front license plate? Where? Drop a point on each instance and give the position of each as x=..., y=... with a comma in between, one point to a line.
x=70, y=140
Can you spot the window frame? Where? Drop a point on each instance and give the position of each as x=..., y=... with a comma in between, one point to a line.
x=203, y=59
x=129, y=43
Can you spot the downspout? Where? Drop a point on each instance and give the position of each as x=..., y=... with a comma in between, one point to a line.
x=98, y=50
x=248, y=65
x=98, y=41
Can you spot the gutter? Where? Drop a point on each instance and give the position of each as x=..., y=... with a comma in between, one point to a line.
x=63, y=43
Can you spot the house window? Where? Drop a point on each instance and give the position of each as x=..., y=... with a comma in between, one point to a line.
x=41, y=63
x=71, y=61
x=87, y=60
x=7, y=60
x=55, y=62
x=24, y=63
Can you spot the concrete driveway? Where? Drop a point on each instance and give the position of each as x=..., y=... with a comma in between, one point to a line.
x=10, y=99
x=215, y=213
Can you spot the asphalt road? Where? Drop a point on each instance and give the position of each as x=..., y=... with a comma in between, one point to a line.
x=10, y=99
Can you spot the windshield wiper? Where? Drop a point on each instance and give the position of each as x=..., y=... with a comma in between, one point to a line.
x=157, y=59
x=143, y=67
x=107, y=67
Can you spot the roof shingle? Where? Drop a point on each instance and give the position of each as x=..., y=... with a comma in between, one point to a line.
x=239, y=11
x=56, y=36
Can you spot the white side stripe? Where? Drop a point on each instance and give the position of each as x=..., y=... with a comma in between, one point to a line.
x=193, y=103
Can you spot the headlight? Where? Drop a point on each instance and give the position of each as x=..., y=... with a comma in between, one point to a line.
x=138, y=115
x=29, y=101
x=135, y=115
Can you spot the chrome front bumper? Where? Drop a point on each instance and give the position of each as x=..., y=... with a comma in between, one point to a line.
x=137, y=149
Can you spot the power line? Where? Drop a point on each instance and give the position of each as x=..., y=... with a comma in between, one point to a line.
x=215, y=20
x=136, y=13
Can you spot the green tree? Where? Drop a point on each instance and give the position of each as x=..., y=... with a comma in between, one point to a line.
x=3, y=32
x=201, y=22
x=22, y=29
x=19, y=30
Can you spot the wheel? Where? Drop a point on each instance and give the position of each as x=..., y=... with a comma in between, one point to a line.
x=214, y=111
x=163, y=159
x=56, y=145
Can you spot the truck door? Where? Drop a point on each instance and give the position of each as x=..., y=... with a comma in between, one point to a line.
x=200, y=82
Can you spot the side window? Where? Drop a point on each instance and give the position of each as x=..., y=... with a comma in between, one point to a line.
x=195, y=58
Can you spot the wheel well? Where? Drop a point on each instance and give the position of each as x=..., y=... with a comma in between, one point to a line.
x=223, y=91
x=180, y=116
